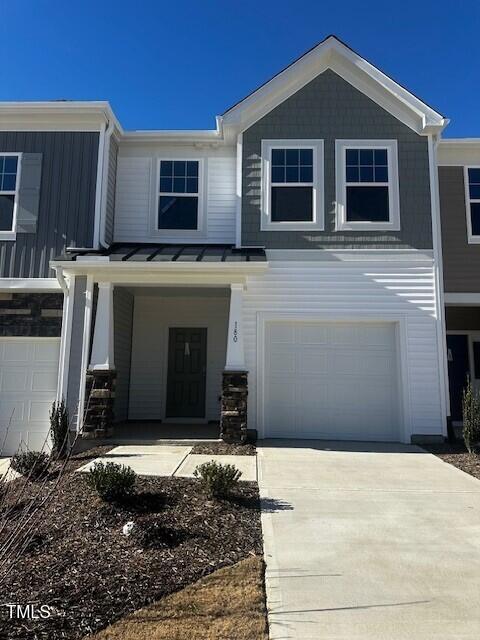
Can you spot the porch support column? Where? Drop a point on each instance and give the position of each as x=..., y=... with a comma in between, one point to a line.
x=102, y=358
x=100, y=395
x=235, y=350
x=233, y=421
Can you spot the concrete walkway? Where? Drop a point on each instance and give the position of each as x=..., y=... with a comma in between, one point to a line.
x=370, y=541
x=171, y=460
x=6, y=473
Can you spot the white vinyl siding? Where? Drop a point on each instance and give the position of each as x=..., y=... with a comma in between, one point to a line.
x=378, y=291
x=153, y=316
x=136, y=200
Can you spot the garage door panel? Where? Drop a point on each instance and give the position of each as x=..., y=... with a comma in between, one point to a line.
x=28, y=385
x=16, y=352
x=44, y=381
x=343, y=384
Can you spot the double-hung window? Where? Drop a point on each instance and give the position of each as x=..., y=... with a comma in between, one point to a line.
x=179, y=197
x=367, y=191
x=9, y=183
x=292, y=185
x=472, y=197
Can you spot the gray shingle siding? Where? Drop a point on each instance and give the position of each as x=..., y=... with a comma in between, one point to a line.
x=67, y=199
x=329, y=108
x=461, y=261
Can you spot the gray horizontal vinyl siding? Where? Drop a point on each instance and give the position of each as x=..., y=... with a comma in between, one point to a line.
x=329, y=108
x=461, y=261
x=67, y=200
x=123, y=316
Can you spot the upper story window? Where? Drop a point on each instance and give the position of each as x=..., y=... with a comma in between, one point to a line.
x=367, y=185
x=472, y=181
x=9, y=183
x=292, y=185
x=179, y=195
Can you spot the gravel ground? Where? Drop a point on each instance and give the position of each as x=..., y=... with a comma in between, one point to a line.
x=79, y=562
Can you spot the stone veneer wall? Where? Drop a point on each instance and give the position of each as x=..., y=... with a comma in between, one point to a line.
x=35, y=315
x=233, y=417
x=99, y=401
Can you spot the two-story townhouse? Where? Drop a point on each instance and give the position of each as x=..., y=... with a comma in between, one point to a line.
x=51, y=157
x=293, y=252
x=282, y=271
x=459, y=180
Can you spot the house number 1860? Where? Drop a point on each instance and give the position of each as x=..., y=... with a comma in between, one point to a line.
x=235, y=332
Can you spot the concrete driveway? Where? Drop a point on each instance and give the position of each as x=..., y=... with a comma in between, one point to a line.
x=366, y=541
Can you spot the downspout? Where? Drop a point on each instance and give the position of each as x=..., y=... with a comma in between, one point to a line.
x=61, y=280
x=98, y=187
x=103, y=208
x=438, y=266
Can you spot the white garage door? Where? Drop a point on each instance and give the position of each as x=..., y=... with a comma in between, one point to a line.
x=28, y=385
x=331, y=380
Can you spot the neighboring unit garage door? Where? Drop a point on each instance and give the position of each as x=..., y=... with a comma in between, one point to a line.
x=331, y=380
x=28, y=386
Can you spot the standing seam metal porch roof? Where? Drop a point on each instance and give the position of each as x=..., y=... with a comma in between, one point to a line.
x=130, y=252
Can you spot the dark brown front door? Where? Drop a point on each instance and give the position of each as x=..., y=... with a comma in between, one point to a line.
x=187, y=366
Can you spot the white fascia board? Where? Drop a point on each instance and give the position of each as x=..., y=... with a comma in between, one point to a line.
x=87, y=266
x=29, y=284
x=459, y=152
x=56, y=116
x=332, y=54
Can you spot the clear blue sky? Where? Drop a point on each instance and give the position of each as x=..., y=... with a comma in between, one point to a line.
x=175, y=64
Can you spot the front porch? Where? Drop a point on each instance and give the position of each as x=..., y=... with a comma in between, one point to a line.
x=154, y=432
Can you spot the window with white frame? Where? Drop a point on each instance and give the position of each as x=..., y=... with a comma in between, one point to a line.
x=292, y=184
x=367, y=192
x=179, y=195
x=472, y=180
x=9, y=170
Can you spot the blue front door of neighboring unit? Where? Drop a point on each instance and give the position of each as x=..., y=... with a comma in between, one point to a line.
x=458, y=371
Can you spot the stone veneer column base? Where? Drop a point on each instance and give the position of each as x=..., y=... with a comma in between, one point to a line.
x=233, y=417
x=99, y=399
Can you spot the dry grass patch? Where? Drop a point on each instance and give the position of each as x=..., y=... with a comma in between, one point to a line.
x=229, y=604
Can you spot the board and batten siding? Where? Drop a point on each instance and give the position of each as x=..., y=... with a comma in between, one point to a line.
x=67, y=199
x=461, y=260
x=136, y=197
x=152, y=318
x=336, y=290
x=123, y=318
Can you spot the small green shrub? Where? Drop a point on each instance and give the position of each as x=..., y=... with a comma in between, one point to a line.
x=32, y=464
x=471, y=418
x=59, y=425
x=111, y=481
x=217, y=479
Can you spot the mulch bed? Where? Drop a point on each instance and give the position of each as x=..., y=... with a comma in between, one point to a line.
x=80, y=563
x=225, y=448
x=456, y=454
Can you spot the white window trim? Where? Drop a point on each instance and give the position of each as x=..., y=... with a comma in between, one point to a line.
x=318, y=186
x=12, y=234
x=341, y=223
x=182, y=234
x=470, y=237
